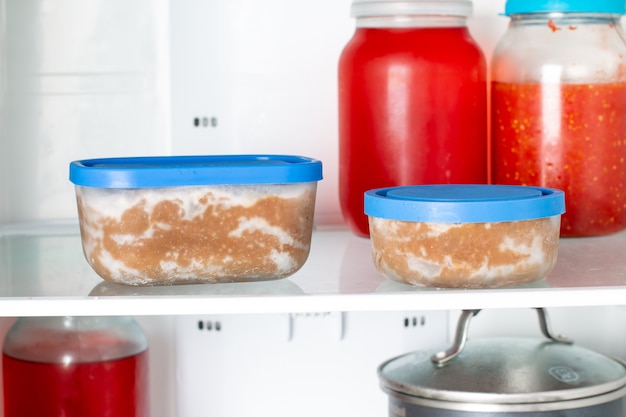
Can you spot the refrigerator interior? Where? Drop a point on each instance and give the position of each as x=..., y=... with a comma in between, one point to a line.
x=96, y=78
x=325, y=363
x=274, y=364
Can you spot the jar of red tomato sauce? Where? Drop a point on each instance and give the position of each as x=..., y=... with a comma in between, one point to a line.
x=412, y=101
x=559, y=108
x=75, y=367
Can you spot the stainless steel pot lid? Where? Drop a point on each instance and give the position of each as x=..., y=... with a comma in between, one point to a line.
x=506, y=371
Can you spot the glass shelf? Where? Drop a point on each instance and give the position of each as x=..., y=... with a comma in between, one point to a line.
x=43, y=272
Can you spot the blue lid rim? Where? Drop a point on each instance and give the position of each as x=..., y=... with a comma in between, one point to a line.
x=566, y=6
x=194, y=170
x=550, y=203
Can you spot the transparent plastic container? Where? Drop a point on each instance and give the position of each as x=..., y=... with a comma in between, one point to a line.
x=196, y=219
x=412, y=101
x=75, y=366
x=464, y=236
x=558, y=106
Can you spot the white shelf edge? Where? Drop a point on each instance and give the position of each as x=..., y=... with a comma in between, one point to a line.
x=186, y=305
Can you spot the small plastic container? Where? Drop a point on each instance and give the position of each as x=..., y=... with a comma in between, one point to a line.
x=196, y=219
x=558, y=100
x=464, y=236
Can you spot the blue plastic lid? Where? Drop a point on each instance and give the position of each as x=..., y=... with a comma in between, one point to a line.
x=451, y=203
x=580, y=6
x=172, y=171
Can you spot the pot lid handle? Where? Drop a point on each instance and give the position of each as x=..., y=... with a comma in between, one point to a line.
x=546, y=329
x=462, y=329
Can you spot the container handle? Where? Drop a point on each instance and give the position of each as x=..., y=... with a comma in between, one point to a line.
x=460, y=337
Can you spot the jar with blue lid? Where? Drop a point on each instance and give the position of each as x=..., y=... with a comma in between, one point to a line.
x=558, y=99
x=464, y=236
x=196, y=219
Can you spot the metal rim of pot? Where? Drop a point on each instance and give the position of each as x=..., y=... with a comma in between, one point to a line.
x=513, y=408
x=402, y=378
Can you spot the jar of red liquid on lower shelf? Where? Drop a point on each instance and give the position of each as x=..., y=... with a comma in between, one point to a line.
x=412, y=101
x=559, y=108
x=75, y=367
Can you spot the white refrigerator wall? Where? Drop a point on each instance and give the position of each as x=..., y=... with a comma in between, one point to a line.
x=80, y=79
x=100, y=78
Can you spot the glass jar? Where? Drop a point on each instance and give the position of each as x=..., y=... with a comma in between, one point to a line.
x=75, y=367
x=412, y=101
x=559, y=108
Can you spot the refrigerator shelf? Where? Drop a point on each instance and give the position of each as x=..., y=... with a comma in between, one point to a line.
x=43, y=273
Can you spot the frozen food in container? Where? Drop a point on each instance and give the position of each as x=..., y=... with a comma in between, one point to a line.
x=194, y=219
x=464, y=236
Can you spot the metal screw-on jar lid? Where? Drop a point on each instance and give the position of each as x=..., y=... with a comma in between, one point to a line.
x=365, y=8
x=507, y=374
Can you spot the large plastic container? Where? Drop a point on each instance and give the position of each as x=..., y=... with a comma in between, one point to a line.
x=75, y=366
x=412, y=101
x=196, y=219
x=464, y=236
x=558, y=106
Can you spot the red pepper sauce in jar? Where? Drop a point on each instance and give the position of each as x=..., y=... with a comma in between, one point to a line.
x=115, y=388
x=566, y=136
x=412, y=110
